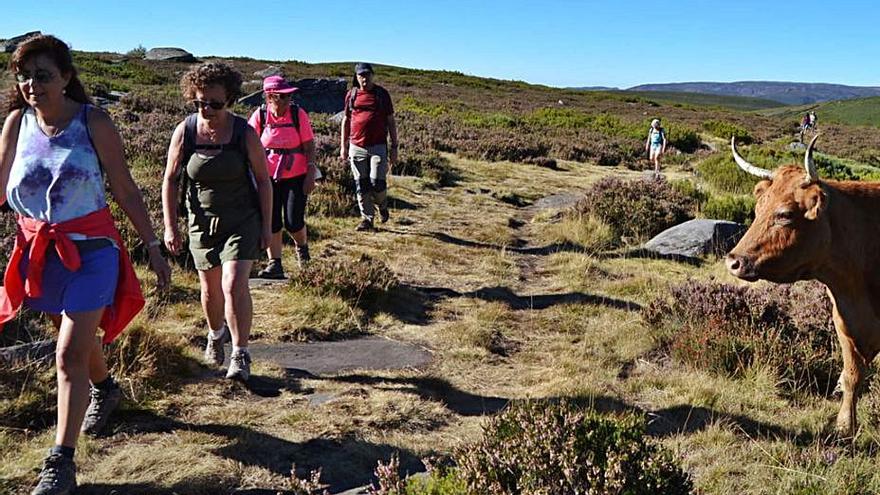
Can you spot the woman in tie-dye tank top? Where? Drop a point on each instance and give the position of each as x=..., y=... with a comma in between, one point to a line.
x=55, y=150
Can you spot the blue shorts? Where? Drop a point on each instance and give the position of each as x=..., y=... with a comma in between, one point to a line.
x=87, y=289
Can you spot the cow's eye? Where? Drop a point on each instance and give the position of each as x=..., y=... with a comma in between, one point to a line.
x=784, y=217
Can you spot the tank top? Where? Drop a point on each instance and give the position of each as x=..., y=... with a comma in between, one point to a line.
x=57, y=178
x=656, y=137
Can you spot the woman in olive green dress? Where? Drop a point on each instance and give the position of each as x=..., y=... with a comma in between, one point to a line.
x=228, y=196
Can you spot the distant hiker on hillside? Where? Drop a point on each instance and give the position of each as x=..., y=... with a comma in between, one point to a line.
x=227, y=193
x=655, y=145
x=286, y=134
x=813, y=119
x=368, y=122
x=69, y=260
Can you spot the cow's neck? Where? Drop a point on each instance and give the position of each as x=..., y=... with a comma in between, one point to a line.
x=852, y=268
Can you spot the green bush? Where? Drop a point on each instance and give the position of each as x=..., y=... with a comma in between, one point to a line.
x=740, y=209
x=636, y=209
x=726, y=130
x=560, y=449
x=568, y=118
x=683, y=138
x=722, y=173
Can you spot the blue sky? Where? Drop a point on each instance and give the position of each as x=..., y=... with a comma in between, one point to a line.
x=554, y=42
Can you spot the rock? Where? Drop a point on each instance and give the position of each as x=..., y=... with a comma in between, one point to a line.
x=272, y=70
x=9, y=46
x=42, y=350
x=170, y=54
x=696, y=238
x=337, y=117
x=314, y=95
x=323, y=358
x=254, y=99
x=796, y=146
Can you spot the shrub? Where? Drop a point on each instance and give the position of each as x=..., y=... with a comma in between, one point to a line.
x=727, y=329
x=510, y=148
x=543, y=161
x=740, y=209
x=726, y=130
x=430, y=166
x=637, y=208
x=559, y=449
x=722, y=173
x=364, y=282
x=683, y=138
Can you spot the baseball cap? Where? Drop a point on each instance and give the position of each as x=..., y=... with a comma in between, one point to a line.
x=362, y=67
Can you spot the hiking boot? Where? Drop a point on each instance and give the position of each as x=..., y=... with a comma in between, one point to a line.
x=383, y=214
x=214, y=352
x=273, y=271
x=58, y=476
x=364, y=226
x=101, y=406
x=239, y=366
x=302, y=255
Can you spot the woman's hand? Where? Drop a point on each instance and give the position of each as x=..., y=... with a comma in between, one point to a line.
x=173, y=241
x=160, y=268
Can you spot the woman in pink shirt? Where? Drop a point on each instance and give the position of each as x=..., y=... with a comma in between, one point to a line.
x=286, y=133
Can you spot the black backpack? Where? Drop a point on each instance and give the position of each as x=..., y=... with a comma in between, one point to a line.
x=238, y=142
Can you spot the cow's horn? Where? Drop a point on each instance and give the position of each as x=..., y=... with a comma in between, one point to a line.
x=748, y=167
x=809, y=164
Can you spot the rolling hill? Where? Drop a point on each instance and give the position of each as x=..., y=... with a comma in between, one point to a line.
x=789, y=93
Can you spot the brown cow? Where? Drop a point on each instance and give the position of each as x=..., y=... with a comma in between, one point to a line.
x=811, y=229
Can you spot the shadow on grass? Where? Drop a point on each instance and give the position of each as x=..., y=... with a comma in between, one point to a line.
x=345, y=463
x=429, y=388
x=565, y=247
x=540, y=301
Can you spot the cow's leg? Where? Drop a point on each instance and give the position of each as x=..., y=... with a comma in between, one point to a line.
x=852, y=378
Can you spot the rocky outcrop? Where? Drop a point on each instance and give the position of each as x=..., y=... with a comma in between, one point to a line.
x=697, y=238
x=314, y=95
x=170, y=54
x=272, y=70
x=9, y=46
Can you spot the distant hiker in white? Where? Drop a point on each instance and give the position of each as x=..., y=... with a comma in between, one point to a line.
x=655, y=145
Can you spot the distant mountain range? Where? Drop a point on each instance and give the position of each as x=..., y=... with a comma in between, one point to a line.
x=789, y=93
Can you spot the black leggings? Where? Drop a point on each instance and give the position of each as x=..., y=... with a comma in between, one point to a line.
x=288, y=197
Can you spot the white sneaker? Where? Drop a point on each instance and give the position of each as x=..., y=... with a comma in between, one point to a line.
x=239, y=366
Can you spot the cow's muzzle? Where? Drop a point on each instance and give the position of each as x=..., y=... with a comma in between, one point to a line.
x=741, y=267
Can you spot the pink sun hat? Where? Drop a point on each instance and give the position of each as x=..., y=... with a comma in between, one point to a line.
x=277, y=84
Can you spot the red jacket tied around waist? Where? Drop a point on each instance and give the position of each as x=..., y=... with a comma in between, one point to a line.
x=36, y=236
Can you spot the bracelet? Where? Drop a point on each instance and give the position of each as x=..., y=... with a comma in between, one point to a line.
x=153, y=243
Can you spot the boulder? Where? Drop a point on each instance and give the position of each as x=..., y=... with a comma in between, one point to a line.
x=696, y=238
x=9, y=46
x=170, y=54
x=314, y=95
x=272, y=70
x=797, y=146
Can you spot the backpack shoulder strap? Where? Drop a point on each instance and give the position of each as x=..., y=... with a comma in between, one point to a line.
x=239, y=126
x=294, y=115
x=189, y=137
x=351, y=98
x=262, y=121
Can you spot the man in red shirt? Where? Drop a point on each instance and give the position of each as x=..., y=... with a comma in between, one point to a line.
x=368, y=122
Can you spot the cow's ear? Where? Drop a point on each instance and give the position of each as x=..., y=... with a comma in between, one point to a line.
x=814, y=201
x=760, y=187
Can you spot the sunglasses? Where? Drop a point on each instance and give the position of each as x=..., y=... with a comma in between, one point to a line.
x=279, y=96
x=216, y=105
x=40, y=77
